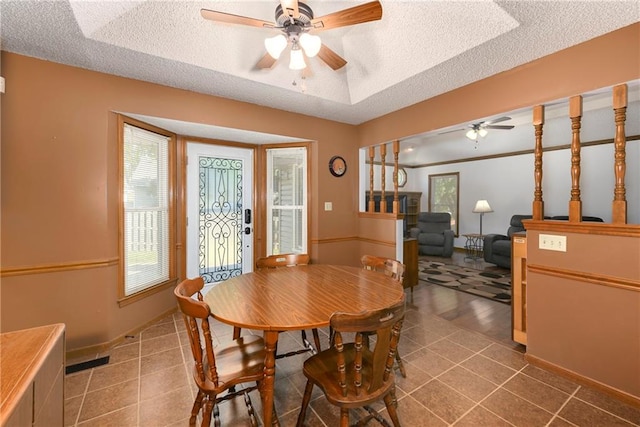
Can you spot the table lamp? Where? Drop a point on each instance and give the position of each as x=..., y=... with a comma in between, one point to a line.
x=482, y=207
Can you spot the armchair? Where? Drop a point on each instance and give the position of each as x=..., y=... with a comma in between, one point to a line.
x=497, y=247
x=434, y=234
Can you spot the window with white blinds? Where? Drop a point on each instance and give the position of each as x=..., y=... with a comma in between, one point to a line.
x=286, y=200
x=146, y=254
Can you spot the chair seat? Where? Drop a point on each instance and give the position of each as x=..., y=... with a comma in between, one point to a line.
x=431, y=239
x=248, y=349
x=321, y=370
x=502, y=247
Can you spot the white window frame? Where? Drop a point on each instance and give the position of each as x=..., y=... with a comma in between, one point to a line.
x=304, y=227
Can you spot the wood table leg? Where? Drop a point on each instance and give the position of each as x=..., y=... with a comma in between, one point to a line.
x=269, y=414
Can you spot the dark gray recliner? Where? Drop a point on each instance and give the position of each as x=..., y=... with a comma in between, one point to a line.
x=434, y=234
x=497, y=247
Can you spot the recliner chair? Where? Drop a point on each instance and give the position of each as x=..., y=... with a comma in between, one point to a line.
x=497, y=247
x=434, y=234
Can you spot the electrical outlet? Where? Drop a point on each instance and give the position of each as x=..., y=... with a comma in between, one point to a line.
x=328, y=206
x=552, y=242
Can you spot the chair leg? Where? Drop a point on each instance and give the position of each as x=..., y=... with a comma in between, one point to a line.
x=316, y=338
x=197, y=405
x=209, y=403
x=305, y=403
x=403, y=372
x=236, y=332
x=392, y=406
x=344, y=417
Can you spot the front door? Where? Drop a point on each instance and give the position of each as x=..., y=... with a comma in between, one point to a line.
x=219, y=212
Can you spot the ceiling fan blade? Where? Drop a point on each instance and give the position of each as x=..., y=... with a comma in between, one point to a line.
x=367, y=12
x=498, y=127
x=228, y=18
x=266, y=61
x=331, y=58
x=498, y=120
x=290, y=8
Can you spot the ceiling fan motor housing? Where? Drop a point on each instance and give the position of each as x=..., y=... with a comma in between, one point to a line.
x=303, y=20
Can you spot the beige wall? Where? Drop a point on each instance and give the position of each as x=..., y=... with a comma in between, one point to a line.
x=59, y=171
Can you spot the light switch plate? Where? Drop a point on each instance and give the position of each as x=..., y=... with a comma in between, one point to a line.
x=552, y=242
x=328, y=206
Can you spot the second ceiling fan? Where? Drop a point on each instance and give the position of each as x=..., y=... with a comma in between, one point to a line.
x=298, y=26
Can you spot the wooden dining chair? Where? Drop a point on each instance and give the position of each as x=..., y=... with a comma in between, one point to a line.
x=394, y=269
x=289, y=260
x=350, y=374
x=223, y=368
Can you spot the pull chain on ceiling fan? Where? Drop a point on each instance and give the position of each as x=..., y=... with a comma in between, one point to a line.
x=296, y=22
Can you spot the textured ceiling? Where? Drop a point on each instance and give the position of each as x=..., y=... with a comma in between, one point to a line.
x=419, y=49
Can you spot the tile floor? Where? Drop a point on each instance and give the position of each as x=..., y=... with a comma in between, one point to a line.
x=456, y=377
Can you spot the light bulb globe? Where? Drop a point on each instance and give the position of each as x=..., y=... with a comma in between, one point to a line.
x=275, y=45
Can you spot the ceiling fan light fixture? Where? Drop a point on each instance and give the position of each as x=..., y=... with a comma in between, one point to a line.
x=472, y=134
x=311, y=44
x=275, y=45
x=483, y=132
x=297, y=59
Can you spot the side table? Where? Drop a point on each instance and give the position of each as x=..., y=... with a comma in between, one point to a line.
x=410, y=261
x=473, y=246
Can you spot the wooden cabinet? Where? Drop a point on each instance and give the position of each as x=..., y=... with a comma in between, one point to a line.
x=32, y=372
x=410, y=260
x=519, y=287
x=413, y=208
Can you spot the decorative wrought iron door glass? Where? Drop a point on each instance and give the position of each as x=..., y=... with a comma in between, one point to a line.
x=220, y=225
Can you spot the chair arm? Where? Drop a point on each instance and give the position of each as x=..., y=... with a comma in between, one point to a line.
x=487, y=245
x=449, y=236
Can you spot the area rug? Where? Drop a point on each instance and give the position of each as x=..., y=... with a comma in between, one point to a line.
x=491, y=284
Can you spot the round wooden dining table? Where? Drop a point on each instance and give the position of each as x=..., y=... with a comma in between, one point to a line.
x=296, y=298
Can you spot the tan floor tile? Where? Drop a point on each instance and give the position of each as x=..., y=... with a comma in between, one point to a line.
x=537, y=392
x=412, y=413
x=163, y=381
x=429, y=361
x=100, y=402
x=422, y=336
x=550, y=378
x=108, y=375
x=121, y=418
x=167, y=408
x=471, y=340
x=72, y=409
x=76, y=384
x=515, y=409
x=442, y=400
x=466, y=382
x=159, y=361
x=158, y=330
x=416, y=377
x=609, y=404
x=559, y=422
x=123, y=353
x=480, y=416
x=502, y=354
x=584, y=414
x=488, y=369
x=450, y=350
x=158, y=344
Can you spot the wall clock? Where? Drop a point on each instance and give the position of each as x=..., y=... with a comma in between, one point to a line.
x=337, y=166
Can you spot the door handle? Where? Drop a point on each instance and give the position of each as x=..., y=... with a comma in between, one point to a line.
x=247, y=230
x=247, y=217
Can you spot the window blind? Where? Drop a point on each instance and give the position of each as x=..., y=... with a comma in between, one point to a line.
x=146, y=209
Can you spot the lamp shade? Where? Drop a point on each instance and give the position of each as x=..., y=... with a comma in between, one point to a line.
x=311, y=44
x=275, y=45
x=297, y=59
x=483, y=132
x=482, y=206
x=472, y=134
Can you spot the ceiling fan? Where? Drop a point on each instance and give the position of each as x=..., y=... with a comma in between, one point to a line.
x=296, y=22
x=480, y=128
